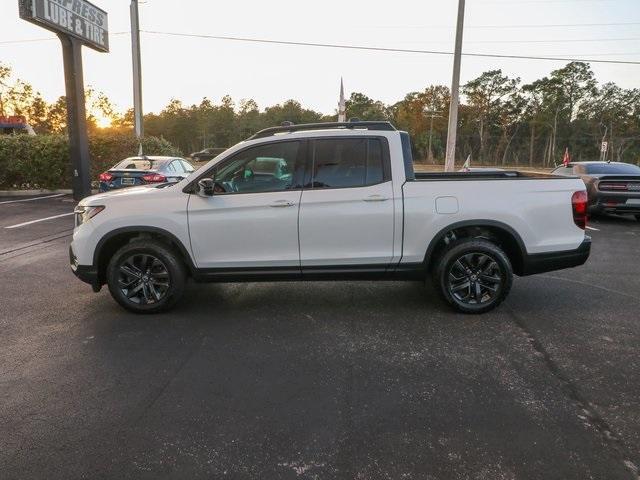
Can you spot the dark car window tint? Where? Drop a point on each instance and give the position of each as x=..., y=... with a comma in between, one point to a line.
x=348, y=162
x=616, y=168
x=264, y=168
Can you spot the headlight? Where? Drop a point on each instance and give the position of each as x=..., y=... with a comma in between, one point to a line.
x=82, y=213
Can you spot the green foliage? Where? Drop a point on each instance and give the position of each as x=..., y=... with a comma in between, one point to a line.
x=500, y=121
x=43, y=161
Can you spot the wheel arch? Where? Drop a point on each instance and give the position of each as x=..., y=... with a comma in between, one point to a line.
x=115, y=239
x=500, y=233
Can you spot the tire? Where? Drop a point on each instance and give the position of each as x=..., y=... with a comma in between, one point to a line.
x=146, y=276
x=463, y=262
x=637, y=217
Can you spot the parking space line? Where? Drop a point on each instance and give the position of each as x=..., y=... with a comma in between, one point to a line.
x=39, y=220
x=593, y=228
x=32, y=199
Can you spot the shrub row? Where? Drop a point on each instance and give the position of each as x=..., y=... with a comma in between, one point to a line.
x=34, y=162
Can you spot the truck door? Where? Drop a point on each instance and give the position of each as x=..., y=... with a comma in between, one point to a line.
x=347, y=206
x=252, y=219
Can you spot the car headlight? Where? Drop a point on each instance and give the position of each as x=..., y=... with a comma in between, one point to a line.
x=84, y=213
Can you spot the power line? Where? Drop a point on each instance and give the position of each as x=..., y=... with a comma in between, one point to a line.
x=581, y=40
x=541, y=25
x=383, y=49
x=522, y=2
x=557, y=25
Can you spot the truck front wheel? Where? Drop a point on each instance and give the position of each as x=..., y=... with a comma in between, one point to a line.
x=473, y=275
x=145, y=276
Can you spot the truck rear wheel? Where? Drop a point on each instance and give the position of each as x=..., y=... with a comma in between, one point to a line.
x=473, y=275
x=145, y=276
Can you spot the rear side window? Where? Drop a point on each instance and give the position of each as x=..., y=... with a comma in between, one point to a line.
x=177, y=166
x=346, y=162
x=135, y=164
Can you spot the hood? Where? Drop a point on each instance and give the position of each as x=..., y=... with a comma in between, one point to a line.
x=124, y=194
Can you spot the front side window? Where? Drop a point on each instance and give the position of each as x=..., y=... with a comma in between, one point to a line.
x=346, y=162
x=264, y=168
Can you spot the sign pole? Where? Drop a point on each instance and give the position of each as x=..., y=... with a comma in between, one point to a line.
x=76, y=116
x=77, y=23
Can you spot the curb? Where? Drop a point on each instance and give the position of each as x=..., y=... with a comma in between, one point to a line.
x=18, y=193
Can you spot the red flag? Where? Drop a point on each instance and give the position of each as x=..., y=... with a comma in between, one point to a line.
x=566, y=158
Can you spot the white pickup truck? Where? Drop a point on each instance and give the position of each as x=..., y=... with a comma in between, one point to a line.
x=332, y=201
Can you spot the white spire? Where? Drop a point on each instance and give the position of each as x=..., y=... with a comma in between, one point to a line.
x=342, y=106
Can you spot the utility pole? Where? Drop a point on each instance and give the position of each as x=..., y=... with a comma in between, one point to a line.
x=431, y=114
x=137, y=73
x=455, y=93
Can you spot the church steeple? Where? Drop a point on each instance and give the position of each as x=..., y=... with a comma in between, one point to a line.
x=342, y=106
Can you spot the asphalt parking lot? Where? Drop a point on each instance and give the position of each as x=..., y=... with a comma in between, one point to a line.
x=350, y=380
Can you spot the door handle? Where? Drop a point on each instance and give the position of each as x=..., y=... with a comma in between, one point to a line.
x=282, y=203
x=375, y=198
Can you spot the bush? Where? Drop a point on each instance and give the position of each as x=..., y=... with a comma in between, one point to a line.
x=43, y=161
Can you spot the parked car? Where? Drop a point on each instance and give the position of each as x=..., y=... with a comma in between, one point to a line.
x=144, y=171
x=206, y=154
x=612, y=187
x=343, y=202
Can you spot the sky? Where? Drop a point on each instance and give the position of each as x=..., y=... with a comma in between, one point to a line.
x=192, y=68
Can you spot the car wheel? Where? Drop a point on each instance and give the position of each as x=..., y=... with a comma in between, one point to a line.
x=145, y=276
x=473, y=275
x=638, y=217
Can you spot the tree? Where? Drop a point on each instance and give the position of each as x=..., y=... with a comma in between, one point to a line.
x=364, y=108
x=423, y=115
x=485, y=96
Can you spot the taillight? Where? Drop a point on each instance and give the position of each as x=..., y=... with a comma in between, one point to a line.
x=612, y=186
x=154, y=178
x=105, y=177
x=579, y=205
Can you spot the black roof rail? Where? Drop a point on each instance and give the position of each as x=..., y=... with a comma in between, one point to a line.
x=368, y=125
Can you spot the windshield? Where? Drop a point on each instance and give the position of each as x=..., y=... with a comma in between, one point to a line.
x=620, y=168
x=136, y=164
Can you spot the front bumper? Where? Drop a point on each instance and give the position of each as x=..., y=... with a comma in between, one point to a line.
x=86, y=273
x=549, y=261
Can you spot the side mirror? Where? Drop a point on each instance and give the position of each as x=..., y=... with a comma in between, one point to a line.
x=205, y=187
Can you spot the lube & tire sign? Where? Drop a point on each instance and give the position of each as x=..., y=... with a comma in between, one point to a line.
x=78, y=18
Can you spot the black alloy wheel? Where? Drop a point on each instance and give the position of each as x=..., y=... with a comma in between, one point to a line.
x=146, y=276
x=475, y=278
x=144, y=279
x=473, y=275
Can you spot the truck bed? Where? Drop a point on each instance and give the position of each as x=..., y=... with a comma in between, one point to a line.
x=489, y=175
